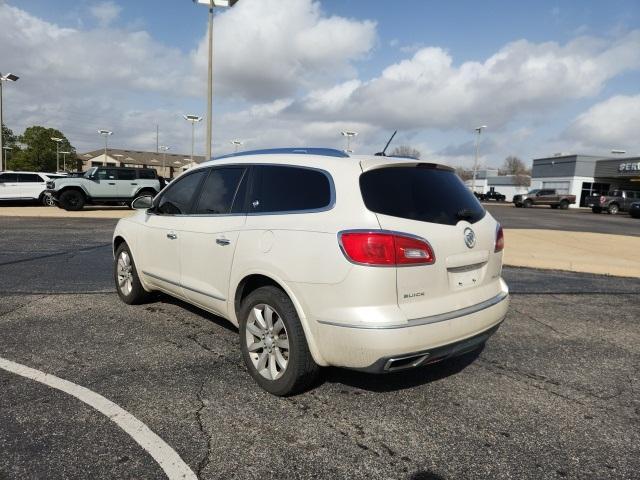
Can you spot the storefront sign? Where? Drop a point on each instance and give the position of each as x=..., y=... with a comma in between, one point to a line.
x=629, y=167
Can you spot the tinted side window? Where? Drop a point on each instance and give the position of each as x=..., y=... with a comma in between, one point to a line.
x=9, y=178
x=29, y=178
x=289, y=189
x=180, y=194
x=146, y=173
x=126, y=174
x=420, y=193
x=106, y=173
x=218, y=191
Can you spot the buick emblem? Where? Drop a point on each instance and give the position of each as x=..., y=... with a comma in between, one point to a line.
x=469, y=237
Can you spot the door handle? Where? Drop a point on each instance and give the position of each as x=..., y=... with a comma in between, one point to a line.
x=112, y=183
x=134, y=184
x=172, y=236
x=222, y=241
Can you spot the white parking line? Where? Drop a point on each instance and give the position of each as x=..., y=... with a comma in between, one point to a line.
x=167, y=458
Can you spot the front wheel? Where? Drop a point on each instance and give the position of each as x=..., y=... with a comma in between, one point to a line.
x=273, y=343
x=527, y=204
x=613, y=209
x=564, y=204
x=125, y=275
x=72, y=200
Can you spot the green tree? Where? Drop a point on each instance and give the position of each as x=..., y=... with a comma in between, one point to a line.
x=39, y=151
x=9, y=139
x=405, y=151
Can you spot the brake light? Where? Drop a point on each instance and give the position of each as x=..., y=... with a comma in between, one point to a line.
x=499, y=239
x=385, y=248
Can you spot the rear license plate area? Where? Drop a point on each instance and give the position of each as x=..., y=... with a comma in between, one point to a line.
x=461, y=278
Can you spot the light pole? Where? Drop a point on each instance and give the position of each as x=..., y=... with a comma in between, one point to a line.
x=349, y=135
x=58, y=141
x=164, y=149
x=106, y=134
x=64, y=160
x=211, y=4
x=237, y=144
x=9, y=77
x=475, y=163
x=6, y=157
x=193, y=119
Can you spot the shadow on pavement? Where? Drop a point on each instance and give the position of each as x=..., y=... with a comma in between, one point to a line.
x=388, y=382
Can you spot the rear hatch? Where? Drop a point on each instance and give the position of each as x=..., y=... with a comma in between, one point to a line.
x=430, y=201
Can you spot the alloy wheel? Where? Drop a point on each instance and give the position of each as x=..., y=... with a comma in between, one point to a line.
x=125, y=273
x=267, y=341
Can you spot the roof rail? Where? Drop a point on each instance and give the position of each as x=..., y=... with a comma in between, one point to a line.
x=327, y=152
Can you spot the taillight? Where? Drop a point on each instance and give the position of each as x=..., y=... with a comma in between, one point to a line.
x=499, y=239
x=385, y=248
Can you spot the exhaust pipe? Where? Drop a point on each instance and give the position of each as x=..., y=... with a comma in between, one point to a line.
x=403, y=363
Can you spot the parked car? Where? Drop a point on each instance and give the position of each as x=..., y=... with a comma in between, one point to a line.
x=479, y=196
x=613, y=202
x=544, y=196
x=104, y=186
x=493, y=195
x=634, y=210
x=19, y=186
x=367, y=262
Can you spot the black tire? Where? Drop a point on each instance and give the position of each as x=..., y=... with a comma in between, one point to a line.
x=527, y=203
x=613, y=209
x=554, y=206
x=564, y=204
x=301, y=371
x=596, y=209
x=72, y=200
x=137, y=294
x=518, y=205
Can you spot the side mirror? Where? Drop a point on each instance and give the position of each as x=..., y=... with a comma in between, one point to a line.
x=144, y=202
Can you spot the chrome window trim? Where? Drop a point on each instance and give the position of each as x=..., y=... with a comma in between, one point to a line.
x=178, y=284
x=441, y=317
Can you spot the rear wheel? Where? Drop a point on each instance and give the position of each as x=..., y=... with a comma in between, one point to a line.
x=613, y=209
x=564, y=204
x=273, y=343
x=128, y=284
x=554, y=206
x=596, y=210
x=527, y=203
x=72, y=200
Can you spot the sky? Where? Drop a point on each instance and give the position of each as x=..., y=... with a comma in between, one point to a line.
x=544, y=77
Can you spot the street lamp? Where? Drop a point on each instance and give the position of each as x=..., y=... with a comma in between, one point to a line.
x=64, y=160
x=6, y=159
x=237, y=144
x=9, y=77
x=164, y=149
x=211, y=4
x=193, y=119
x=106, y=134
x=348, y=134
x=58, y=141
x=475, y=163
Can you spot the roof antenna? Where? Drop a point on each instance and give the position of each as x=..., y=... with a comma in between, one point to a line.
x=383, y=152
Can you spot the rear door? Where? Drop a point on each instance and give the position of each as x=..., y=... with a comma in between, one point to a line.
x=431, y=202
x=31, y=185
x=208, y=237
x=127, y=182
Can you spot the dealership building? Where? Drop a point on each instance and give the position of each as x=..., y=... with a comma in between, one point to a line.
x=584, y=175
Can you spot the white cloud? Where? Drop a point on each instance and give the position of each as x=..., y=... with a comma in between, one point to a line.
x=105, y=12
x=612, y=123
x=430, y=91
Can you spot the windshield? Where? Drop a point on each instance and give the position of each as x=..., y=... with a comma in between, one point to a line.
x=420, y=193
x=89, y=173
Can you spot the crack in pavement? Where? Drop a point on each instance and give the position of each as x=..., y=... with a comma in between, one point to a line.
x=204, y=462
x=562, y=334
x=56, y=254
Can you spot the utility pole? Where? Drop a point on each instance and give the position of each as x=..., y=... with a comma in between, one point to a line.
x=9, y=77
x=475, y=163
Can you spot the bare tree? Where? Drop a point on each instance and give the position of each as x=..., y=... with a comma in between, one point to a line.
x=464, y=173
x=405, y=151
x=515, y=166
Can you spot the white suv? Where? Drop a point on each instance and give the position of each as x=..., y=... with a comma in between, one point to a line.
x=25, y=185
x=367, y=262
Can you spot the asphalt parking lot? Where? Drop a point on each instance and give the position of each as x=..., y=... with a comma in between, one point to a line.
x=553, y=395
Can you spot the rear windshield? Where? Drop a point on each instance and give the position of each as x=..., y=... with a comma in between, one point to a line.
x=420, y=193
